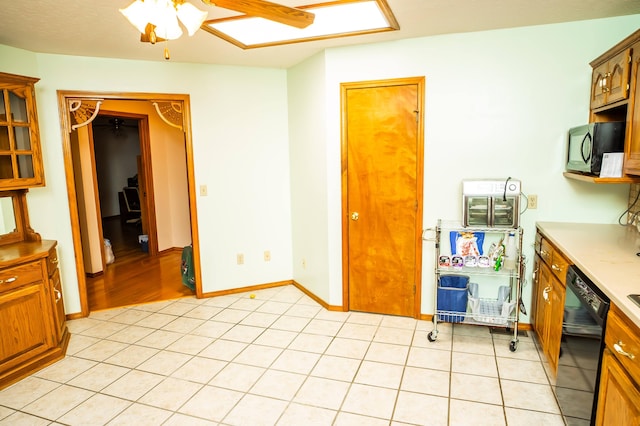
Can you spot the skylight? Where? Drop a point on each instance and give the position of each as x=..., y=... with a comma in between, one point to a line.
x=347, y=18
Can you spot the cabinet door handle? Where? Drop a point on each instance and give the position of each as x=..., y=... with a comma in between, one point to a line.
x=58, y=294
x=545, y=293
x=618, y=347
x=9, y=280
x=54, y=261
x=544, y=253
x=556, y=267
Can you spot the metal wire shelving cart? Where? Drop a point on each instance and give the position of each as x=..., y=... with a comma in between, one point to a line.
x=473, y=309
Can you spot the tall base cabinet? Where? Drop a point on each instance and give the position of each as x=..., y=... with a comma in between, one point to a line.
x=33, y=332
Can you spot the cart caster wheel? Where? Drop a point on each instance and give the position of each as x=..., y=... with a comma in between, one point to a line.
x=432, y=336
x=513, y=346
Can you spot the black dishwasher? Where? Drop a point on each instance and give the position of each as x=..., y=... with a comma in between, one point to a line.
x=585, y=315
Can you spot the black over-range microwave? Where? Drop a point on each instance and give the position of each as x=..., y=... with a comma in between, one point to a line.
x=587, y=145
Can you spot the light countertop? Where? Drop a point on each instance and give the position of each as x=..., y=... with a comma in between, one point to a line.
x=604, y=253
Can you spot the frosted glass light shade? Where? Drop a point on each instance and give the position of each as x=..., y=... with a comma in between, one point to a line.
x=164, y=14
x=166, y=20
x=137, y=14
x=191, y=17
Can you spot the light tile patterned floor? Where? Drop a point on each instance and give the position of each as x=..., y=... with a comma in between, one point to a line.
x=280, y=359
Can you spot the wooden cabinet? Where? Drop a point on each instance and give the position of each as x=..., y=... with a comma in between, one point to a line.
x=615, y=96
x=34, y=333
x=20, y=151
x=632, y=143
x=18, y=307
x=619, y=393
x=549, y=287
x=610, y=80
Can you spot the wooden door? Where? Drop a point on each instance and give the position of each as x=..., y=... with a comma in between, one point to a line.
x=632, y=148
x=18, y=343
x=543, y=306
x=382, y=157
x=556, y=315
x=619, y=397
x=598, y=90
x=618, y=77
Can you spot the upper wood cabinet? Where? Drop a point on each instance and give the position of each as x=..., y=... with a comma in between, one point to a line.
x=615, y=96
x=610, y=80
x=20, y=152
x=632, y=146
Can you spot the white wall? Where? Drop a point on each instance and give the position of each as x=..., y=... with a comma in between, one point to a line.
x=240, y=142
x=309, y=165
x=498, y=104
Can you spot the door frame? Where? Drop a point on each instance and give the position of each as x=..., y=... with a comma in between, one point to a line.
x=64, y=97
x=344, y=87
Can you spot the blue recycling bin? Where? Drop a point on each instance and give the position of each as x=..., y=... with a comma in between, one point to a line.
x=452, y=297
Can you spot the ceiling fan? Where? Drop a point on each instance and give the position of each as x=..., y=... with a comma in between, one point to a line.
x=143, y=14
x=117, y=125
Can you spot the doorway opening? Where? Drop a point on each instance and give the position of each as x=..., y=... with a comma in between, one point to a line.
x=111, y=144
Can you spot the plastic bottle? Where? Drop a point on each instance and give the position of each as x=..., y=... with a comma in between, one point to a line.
x=510, y=253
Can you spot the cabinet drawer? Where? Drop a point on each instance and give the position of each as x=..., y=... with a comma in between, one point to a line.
x=559, y=266
x=538, y=242
x=20, y=275
x=52, y=261
x=546, y=251
x=554, y=259
x=623, y=339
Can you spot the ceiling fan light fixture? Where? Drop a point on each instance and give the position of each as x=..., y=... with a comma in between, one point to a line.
x=191, y=17
x=138, y=14
x=164, y=15
x=165, y=19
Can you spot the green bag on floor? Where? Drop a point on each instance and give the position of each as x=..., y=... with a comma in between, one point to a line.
x=186, y=268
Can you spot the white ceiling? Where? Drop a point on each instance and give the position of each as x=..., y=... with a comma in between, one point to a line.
x=96, y=28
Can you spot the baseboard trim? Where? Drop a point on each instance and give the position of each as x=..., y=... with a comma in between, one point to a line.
x=324, y=304
x=245, y=289
x=272, y=285
x=94, y=274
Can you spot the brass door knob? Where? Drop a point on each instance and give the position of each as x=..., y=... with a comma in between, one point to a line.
x=355, y=216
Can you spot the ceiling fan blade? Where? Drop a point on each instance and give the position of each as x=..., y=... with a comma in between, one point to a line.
x=272, y=11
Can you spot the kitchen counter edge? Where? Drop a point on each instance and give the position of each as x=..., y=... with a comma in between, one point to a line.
x=606, y=253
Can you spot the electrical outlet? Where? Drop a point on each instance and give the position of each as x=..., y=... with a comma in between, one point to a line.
x=240, y=258
x=532, y=202
x=267, y=255
x=203, y=191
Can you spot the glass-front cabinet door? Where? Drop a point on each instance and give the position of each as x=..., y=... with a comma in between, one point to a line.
x=20, y=155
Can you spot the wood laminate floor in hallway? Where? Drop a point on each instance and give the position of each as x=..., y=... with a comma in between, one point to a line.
x=134, y=277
